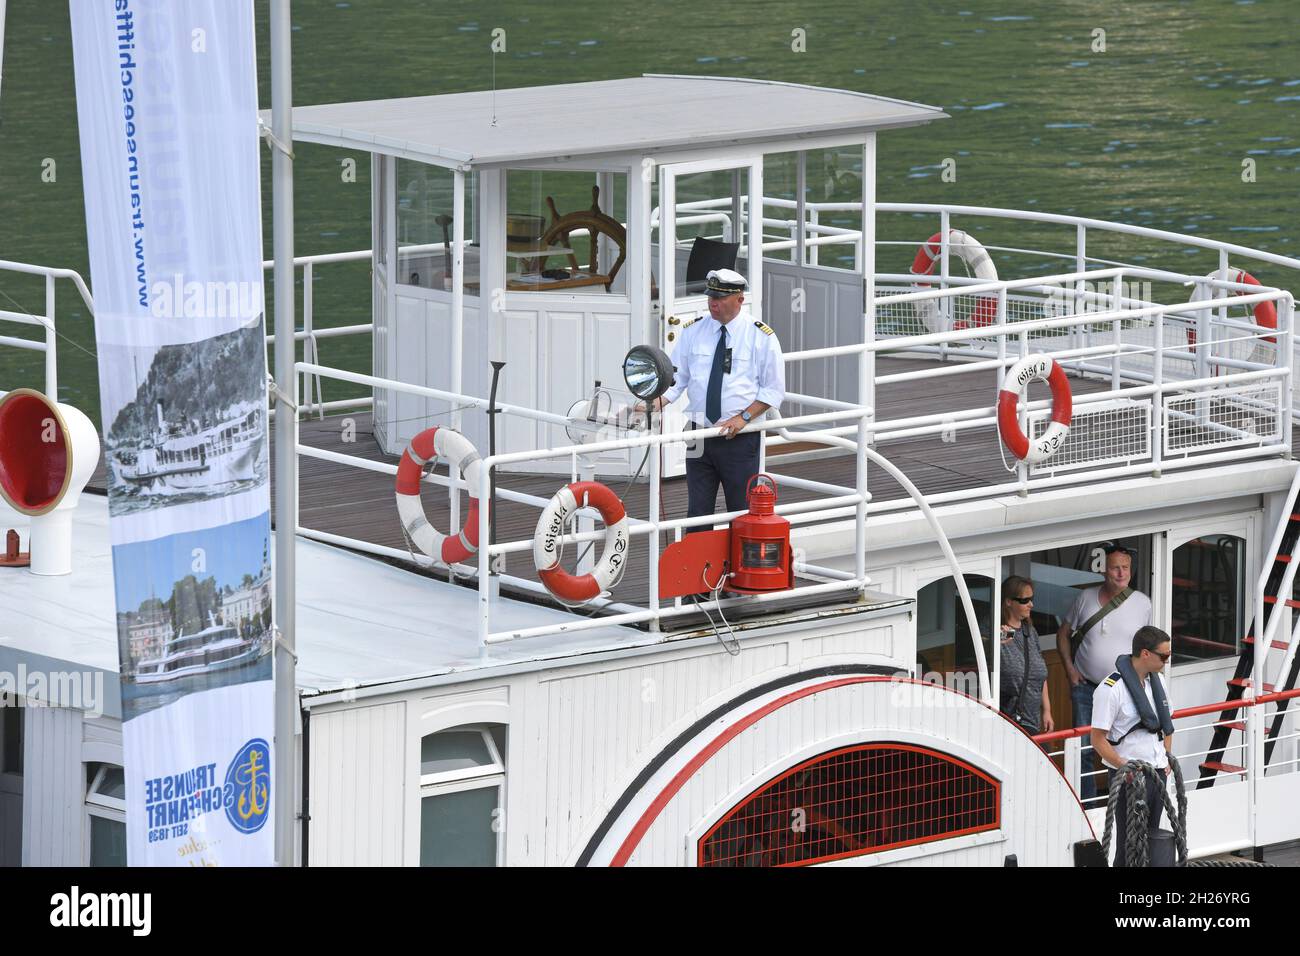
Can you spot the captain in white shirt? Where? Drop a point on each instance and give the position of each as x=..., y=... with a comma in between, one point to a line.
x=730, y=368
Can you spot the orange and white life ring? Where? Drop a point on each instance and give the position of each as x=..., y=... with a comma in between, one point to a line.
x=425, y=449
x=967, y=248
x=1045, y=369
x=581, y=588
x=1265, y=313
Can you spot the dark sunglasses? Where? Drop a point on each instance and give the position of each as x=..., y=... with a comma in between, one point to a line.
x=1110, y=547
x=1164, y=658
x=1024, y=600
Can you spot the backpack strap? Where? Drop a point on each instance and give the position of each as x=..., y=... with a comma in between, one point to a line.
x=1076, y=638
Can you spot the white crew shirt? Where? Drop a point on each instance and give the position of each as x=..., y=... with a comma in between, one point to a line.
x=1114, y=712
x=1110, y=639
x=757, y=368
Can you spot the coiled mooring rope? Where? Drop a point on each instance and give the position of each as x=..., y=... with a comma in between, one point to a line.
x=1135, y=774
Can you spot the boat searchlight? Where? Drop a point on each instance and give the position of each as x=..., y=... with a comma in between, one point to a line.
x=48, y=451
x=648, y=372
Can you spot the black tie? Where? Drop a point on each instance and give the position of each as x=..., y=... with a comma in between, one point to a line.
x=713, y=397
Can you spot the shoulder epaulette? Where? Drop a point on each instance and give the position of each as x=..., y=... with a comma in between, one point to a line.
x=1112, y=680
x=687, y=325
x=765, y=329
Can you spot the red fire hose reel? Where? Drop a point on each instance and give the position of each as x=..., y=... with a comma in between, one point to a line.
x=753, y=555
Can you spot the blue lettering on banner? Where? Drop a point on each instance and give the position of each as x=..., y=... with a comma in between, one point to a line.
x=127, y=66
x=171, y=800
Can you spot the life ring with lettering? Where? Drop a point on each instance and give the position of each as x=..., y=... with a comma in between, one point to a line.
x=969, y=249
x=1044, y=369
x=576, y=589
x=424, y=451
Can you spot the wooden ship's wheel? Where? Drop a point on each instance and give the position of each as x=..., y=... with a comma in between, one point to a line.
x=557, y=236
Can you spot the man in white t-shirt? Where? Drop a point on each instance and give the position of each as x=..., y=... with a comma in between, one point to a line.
x=1088, y=664
x=1119, y=733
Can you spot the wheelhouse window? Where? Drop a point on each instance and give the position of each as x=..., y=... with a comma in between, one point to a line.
x=565, y=231
x=462, y=793
x=106, y=814
x=1207, y=598
x=833, y=207
x=425, y=227
x=854, y=801
x=711, y=227
x=780, y=206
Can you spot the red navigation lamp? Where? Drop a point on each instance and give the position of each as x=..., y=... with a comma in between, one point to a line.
x=760, y=543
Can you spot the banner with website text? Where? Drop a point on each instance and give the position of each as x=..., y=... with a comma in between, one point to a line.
x=167, y=108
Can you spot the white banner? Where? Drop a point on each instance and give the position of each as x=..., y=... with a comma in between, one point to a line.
x=167, y=107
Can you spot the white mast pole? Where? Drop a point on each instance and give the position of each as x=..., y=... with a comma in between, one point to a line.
x=286, y=431
x=2, y=39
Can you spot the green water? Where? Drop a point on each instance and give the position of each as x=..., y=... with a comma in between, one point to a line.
x=1153, y=131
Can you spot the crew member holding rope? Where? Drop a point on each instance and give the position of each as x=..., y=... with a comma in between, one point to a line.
x=1131, y=721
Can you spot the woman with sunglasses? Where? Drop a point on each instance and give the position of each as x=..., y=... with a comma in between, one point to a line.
x=1024, y=672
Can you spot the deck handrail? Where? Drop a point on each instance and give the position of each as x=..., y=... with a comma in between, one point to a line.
x=1182, y=713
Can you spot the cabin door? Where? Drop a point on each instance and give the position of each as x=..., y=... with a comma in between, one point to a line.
x=945, y=650
x=703, y=223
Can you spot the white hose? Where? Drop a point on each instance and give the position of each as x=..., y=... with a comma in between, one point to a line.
x=986, y=693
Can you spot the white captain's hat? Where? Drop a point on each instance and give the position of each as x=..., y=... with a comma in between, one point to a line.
x=725, y=282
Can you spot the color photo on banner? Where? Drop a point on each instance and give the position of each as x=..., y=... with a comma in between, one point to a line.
x=189, y=424
x=194, y=613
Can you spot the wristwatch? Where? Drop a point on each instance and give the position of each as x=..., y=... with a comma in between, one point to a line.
x=746, y=416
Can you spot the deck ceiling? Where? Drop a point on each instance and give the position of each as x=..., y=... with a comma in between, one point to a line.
x=638, y=114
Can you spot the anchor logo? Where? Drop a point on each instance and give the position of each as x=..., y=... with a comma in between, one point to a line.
x=249, y=776
x=249, y=798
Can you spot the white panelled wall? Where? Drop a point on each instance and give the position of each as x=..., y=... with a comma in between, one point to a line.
x=579, y=735
x=56, y=829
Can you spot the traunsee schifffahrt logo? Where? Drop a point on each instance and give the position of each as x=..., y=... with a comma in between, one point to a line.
x=250, y=776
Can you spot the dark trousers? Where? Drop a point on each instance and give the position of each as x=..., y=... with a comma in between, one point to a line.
x=1155, y=806
x=721, y=461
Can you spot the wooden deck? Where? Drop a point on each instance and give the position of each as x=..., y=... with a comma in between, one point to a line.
x=359, y=504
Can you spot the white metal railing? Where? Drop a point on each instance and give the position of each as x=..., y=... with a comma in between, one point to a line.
x=1200, y=413
x=1192, y=410
x=1243, y=758
x=47, y=345
x=832, y=499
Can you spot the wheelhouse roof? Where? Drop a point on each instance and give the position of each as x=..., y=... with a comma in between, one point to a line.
x=638, y=114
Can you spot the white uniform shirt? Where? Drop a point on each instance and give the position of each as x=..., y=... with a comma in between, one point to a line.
x=757, y=368
x=1114, y=712
x=1110, y=639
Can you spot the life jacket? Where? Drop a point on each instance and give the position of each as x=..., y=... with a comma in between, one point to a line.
x=1155, y=721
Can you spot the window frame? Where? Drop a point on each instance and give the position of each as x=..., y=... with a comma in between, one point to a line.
x=100, y=805
x=492, y=776
x=1242, y=527
x=601, y=174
